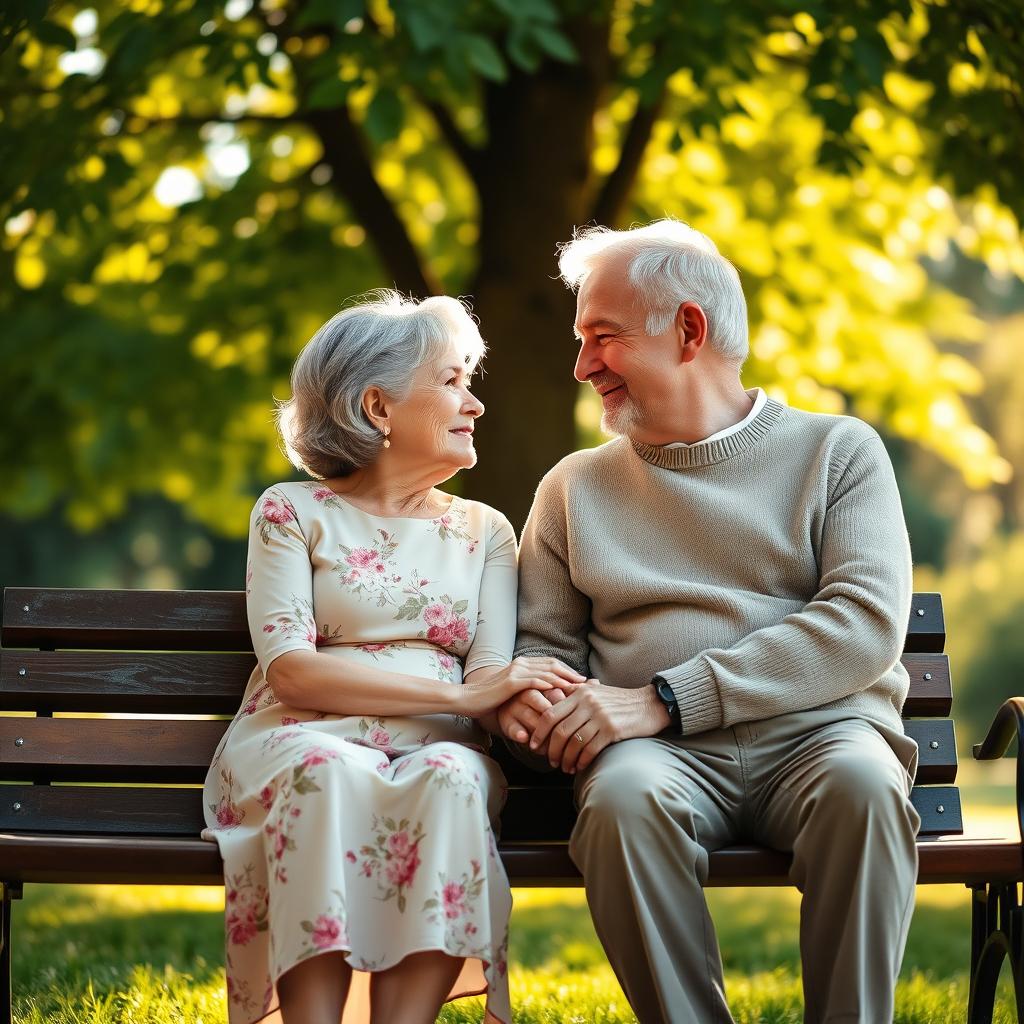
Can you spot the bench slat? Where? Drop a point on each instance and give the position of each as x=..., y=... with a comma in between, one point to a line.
x=213, y=683
x=529, y=815
x=180, y=750
x=85, y=860
x=111, y=681
x=108, y=749
x=214, y=620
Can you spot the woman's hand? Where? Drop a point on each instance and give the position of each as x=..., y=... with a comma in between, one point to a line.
x=488, y=688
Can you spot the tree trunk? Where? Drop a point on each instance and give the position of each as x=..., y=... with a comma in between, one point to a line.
x=533, y=186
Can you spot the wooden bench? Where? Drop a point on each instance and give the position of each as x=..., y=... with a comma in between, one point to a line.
x=90, y=799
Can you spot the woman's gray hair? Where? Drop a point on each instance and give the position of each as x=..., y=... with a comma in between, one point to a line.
x=381, y=342
x=672, y=263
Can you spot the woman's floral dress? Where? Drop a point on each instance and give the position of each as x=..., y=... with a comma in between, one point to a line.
x=366, y=835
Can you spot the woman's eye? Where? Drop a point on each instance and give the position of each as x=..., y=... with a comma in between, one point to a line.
x=454, y=380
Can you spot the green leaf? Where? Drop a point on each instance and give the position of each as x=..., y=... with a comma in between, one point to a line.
x=555, y=44
x=305, y=786
x=384, y=116
x=426, y=33
x=523, y=51
x=55, y=35
x=459, y=607
x=331, y=92
x=483, y=55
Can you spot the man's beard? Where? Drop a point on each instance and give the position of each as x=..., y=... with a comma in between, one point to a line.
x=621, y=420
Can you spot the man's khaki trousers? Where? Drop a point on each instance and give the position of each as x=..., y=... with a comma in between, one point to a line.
x=831, y=789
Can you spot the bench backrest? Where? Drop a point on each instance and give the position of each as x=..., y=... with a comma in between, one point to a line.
x=73, y=658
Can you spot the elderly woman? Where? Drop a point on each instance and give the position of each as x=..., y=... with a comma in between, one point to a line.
x=352, y=798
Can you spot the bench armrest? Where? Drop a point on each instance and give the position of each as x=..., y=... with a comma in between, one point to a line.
x=1007, y=725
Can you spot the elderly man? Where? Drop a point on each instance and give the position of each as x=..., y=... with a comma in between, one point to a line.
x=734, y=575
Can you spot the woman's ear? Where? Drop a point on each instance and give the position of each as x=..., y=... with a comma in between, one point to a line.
x=691, y=330
x=377, y=407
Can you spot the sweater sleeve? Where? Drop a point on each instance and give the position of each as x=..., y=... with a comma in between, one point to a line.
x=842, y=641
x=554, y=617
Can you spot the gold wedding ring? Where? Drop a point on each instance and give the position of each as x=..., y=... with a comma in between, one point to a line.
x=579, y=737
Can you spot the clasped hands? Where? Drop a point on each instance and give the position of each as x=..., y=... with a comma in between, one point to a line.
x=571, y=725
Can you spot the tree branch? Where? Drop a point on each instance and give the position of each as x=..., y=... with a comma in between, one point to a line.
x=353, y=178
x=452, y=134
x=615, y=191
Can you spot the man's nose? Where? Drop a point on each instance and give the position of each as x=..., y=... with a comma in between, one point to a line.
x=588, y=362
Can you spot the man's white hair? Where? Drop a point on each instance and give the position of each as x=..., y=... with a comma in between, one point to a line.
x=671, y=263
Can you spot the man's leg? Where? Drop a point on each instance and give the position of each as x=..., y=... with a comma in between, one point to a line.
x=839, y=801
x=649, y=813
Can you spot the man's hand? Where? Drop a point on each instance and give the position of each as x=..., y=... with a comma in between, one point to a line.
x=579, y=727
x=519, y=716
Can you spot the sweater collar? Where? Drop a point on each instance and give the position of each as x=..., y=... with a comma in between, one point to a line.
x=714, y=451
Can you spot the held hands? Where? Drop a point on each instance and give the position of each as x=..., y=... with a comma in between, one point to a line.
x=574, y=729
x=489, y=689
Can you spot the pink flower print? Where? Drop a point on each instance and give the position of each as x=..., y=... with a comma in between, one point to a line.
x=405, y=859
x=266, y=797
x=228, y=814
x=476, y=867
x=326, y=932
x=470, y=928
x=269, y=628
x=446, y=661
x=276, y=511
x=241, y=927
x=285, y=720
x=472, y=548
x=454, y=898
x=396, y=579
x=402, y=872
x=398, y=844
x=372, y=648
x=280, y=844
x=368, y=868
x=379, y=737
x=423, y=583
x=382, y=768
x=322, y=493
x=318, y=755
x=362, y=558
x=435, y=615
x=350, y=856
x=446, y=520
x=351, y=577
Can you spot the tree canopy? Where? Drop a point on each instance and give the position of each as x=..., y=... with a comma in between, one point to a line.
x=188, y=189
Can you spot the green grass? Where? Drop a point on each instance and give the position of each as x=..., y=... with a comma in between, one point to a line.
x=147, y=955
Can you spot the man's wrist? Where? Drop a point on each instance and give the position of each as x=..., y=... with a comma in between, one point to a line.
x=667, y=699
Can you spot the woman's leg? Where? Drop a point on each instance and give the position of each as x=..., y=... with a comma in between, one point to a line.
x=314, y=991
x=413, y=991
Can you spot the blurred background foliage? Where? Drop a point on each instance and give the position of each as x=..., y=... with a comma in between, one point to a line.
x=188, y=188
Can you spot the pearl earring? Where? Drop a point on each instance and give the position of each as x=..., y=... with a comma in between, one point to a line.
x=387, y=440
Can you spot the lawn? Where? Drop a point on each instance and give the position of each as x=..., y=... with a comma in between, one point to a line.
x=107, y=955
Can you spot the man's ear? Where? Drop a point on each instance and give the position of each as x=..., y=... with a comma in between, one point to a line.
x=377, y=407
x=691, y=330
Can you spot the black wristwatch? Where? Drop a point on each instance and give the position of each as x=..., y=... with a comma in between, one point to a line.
x=667, y=697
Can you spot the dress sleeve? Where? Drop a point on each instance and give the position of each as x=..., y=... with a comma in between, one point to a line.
x=279, y=581
x=496, y=619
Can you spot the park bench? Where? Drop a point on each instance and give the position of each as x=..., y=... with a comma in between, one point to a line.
x=89, y=798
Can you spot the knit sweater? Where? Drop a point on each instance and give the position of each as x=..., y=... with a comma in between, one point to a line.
x=764, y=573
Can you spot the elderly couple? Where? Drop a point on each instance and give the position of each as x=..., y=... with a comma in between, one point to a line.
x=711, y=609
